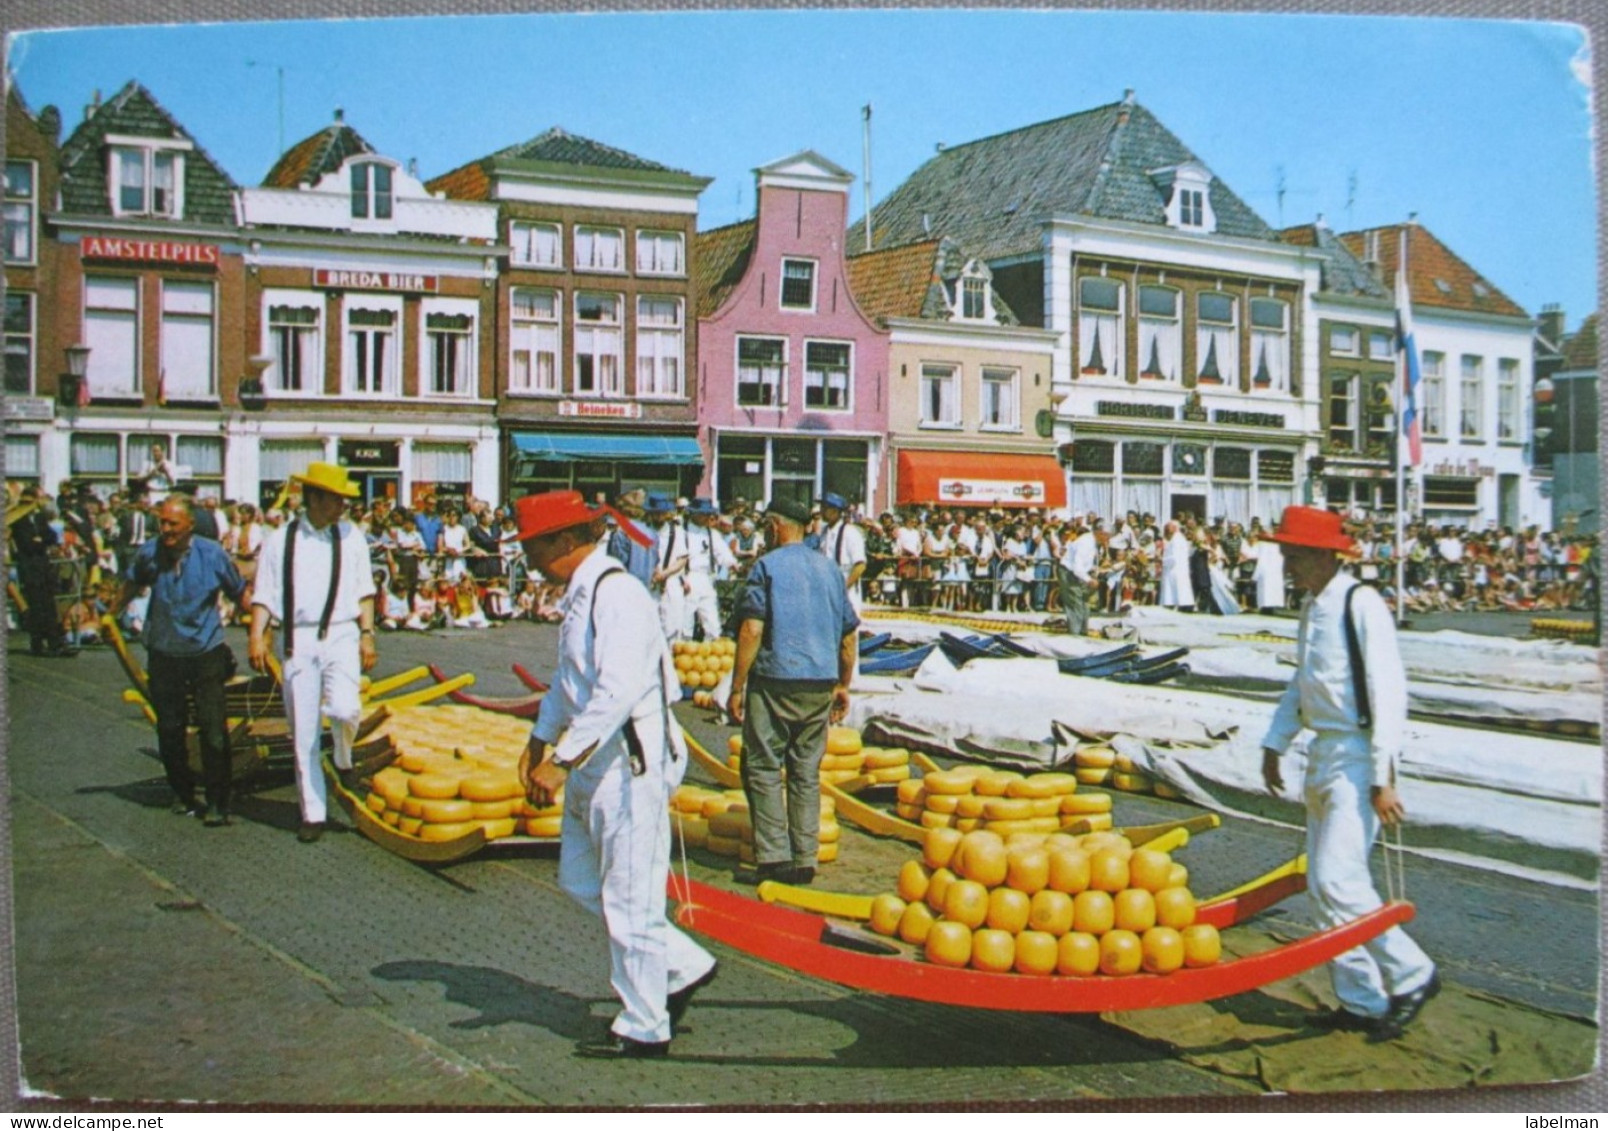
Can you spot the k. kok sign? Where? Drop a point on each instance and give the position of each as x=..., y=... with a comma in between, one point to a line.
x=990, y=491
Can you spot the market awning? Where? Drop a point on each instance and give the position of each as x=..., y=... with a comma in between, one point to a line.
x=981, y=479
x=572, y=447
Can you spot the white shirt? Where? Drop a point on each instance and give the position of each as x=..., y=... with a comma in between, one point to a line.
x=844, y=543
x=1079, y=556
x=706, y=549
x=314, y=555
x=455, y=539
x=671, y=546
x=908, y=541
x=1322, y=697
x=613, y=663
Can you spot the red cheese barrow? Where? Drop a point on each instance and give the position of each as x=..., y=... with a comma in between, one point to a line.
x=521, y=706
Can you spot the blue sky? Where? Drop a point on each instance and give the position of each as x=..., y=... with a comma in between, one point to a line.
x=1482, y=127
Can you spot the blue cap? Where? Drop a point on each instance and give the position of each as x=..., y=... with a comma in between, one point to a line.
x=661, y=504
x=702, y=506
x=833, y=499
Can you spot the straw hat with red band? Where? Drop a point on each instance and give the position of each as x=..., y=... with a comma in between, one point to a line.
x=1310, y=526
x=552, y=511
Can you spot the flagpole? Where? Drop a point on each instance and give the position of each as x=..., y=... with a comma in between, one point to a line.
x=1398, y=443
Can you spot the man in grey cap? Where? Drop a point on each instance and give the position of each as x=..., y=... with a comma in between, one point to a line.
x=796, y=650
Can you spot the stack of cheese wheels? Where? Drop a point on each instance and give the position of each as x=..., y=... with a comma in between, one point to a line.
x=846, y=759
x=701, y=664
x=845, y=754
x=971, y=797
x=1052, y=903
x=1098, y=764
x=457, y=769
x=718, y=820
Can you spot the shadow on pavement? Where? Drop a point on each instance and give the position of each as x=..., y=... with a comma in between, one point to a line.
x=499, y=998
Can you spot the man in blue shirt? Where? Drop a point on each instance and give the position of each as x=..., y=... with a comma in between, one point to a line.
x=796, y=650
x=638, y=555
x=187, y=656
x=429, y=525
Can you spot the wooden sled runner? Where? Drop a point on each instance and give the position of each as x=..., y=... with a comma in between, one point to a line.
x=810, y=944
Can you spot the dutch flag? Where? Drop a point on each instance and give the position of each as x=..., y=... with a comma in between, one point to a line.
x=1411, y=428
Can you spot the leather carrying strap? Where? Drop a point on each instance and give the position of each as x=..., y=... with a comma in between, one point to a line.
x=1359, y=674
x=633, y=741
x=290, y=587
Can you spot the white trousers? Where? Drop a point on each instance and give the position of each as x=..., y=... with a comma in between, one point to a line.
x=614, y=860
x=1341, y=828
x=322, y=681
x=701, y=607
x=673, y=609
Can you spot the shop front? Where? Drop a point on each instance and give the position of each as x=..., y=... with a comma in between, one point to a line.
x=978, y=479
x=758, y=467
x=602, y=463
x=396, y=468
x=1170, y=476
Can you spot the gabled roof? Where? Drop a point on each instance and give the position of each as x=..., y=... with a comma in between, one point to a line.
x=1342, y=273
x=719, y=261
x=1436, y=277
x=314, y=158
x=917, y=280
x=555, y=147
x=992, y=195
x=1580, y=348
x=133, y=112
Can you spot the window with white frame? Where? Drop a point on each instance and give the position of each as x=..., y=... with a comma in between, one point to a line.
x=940, y=396
x=599, y=249
x=1381, y=345
x=21, y=211
x=95, y=456
x=294, y=342
x=372, y=351
x=112, y=333
x=1471, y=399
x=1432, y=393
x=1270, y=344
x=761, y=371
x=534, y=333
x=1507, y=399
x=22, y=458
x=1342, y=411
x=203, y=455
x=974, y=302
x=449, y=353
x=1000, y=399
x=1216, y=338
x=1161, y=334
x=535, y=244
x=599, y=346
x=659, y=346
x=1101, y=334
x=19, y=344
x=1191, y=208
x=1345, y=341
x=189, y=369
x=798, y=284
x=147, y=181
x=660, y=253
x=827, y=369
x=371, y=190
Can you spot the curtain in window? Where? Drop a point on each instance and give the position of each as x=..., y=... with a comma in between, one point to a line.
x=1091, y=495
x=112, y=335
x=939, y=402
x=442, y=463
x=1142, y=495
x=187, y=348
x=202, y=454
x=22, y=457
x=131, y=180
x=293, y=340
x=1231, y=501
x=1271, y=501
x=93, y=453
x=1216, y=340
x=278, y=460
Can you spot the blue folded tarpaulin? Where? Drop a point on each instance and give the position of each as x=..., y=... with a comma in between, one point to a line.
x=568, y=447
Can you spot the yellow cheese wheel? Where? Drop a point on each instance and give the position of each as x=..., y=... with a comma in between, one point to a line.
x=942, y=803
x=391, y=783
x=1162, y=789
x=1095, y=822
x=375, y=802
x=971, y=805
x=1090, y=776
x=938, y=847
x=1131, y=783
x=842, y=740
x=418, y=760
x=838, y=777
x=876, y=759
x=889, y=774
x=931, y=820
x=993, y=951
x=694, y=831
x=916, y=923
x=413, y=807
x=1080, y=804
x=949, y=944
x=852, y=762
x=1077, y=954
x=886, y=911
x=716, y=805
x=1094, y=758
x=542, y=826
x=967, y=824
x=723, y=845
x=734, y=745
x=730, y=825
x=453, y=830
x=1036, y=952
x=488, y=787
x=971, y=769
x=1043, y=785
x=827, y=853
x=1026, y=825
x=948, y=781
x=446, y=811
x=995, y=784
x=526, y=809
x=1045, y=806
x=492, y=810
x=409, y=825
x=391, y=816
x=1122, y=764
x=831, y=832
x=911, y=792
x=1007, y=809
x=690, y=799
x=434, y=786
x=497, y=829
x=909, y=812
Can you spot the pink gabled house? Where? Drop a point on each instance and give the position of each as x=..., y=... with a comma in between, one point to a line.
x=793, y=376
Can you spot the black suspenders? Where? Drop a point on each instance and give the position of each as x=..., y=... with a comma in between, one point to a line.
x=290, y=586
x=1359, y=673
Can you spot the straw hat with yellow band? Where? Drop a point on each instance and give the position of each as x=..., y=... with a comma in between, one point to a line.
x=327, y=477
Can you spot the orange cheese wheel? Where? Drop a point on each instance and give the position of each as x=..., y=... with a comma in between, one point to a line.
x=543, y=826
x=942, y=803
x=391, y=783
x=931, y=820
x=889, y=774
x=993, y=952
x=1051, y=912
x=949, y=944
x=1069, y=870
x=827, y=853
x=1042, y=785
x=526, y=809
x=488, y=787
x=375, y=803
x=1175, y=908
x=1094, y=758
x=413, y=807
x=966, y=901
x=842, y=740
x=446, y=811
x=1149, y=869
x=409, y=825
x=492, y=810
x=1093, y=913
x=981, y=857
x=496, y=830
x=911, y=792
x=967, y=824
x=694, y=831
x=434, y=786
x=1085, y=804
x=916, y=923
x=1161, y=950
x=971, y=805
x=995, y=784
x=937, y=887
x=451, y=830
x=1036, y=953
x=938, y=847
x=914, y=876
x=1202, y=945
x=1027, y=869
x=716, y=805
x=886, y=911
x=852, y=762
x=1135, y=910
x=734, y=746
x=1078, y=955
x=690, y=799
x=420, y=761
x=908, y=812
x=391, y=816
x=1120, y=953
x=1008, y=910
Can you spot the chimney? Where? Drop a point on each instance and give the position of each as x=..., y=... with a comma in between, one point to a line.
x=1551, y=323
x=1320, y=223
x=94, y=105
x=50, y=123
x=413, y=167
x=1127, y=105
x=938, y=148
x=340, y=115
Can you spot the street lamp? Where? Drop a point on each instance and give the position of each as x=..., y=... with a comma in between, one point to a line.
x=70, y=388
x=253, y=397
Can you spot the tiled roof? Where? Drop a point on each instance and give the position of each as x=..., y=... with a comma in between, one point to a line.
x=992, y=195
x=466, y=182
x=896, y=282
x=1436, y=277
x=720, y=259
x=312, y=159
x=562, y=148
x=1342, y=272
x=208, y=191
x=1580, y=348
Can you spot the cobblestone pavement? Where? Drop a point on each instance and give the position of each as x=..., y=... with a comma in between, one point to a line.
x=158, y=960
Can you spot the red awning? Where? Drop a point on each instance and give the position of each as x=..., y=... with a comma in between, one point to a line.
x=980, y=479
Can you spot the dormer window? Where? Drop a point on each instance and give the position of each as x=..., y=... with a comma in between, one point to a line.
x=147, y=180
x=1186, y=192
x=1191, y=208
x=371, y=191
